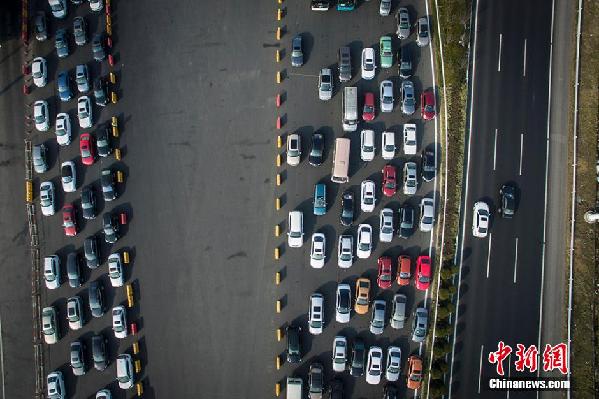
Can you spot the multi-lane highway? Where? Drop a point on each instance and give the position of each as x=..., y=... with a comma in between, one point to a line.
x=501, y=295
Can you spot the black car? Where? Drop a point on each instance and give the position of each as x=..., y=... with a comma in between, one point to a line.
x=110, y=225
x=294, y=350
x=347, y=208
x=317, y=150
x=107, y=182
x=406, y=221
x=96, y=298
x=316, y=380
x=508, y=201
x=90, y=248
x=390, y=392
x=358, y=356
x=98, y=47
x=428, y=165
x=77, y=358
x=74, y=269
x=404, y=62
x=103, y=144
x=100, y=92
x=336, y=389
x=40, y=26
x=88, y=202
x=99, y=353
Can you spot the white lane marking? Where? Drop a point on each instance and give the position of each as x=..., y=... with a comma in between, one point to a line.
x=2, y=358
x=480, y=367
x=489, y=254
x=509, y=373
x=524, y=62
x=495, y=151
x=521, y=152
x=500, y=44
x=516, y=262
x=465, y=208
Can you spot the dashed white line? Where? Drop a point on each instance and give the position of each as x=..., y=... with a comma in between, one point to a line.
x=489, y=254
x=495, y=151
x=524, y=63
x=516, y=262
x=480, y=367
x=521, y=152
x=500, y=44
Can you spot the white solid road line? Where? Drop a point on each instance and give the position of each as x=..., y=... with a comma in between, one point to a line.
x=524, y=63
x=521, y=152
x=516, y=262
x=2, y=358
x=465, y=208
x=509, y=373
x=480, y=367
x=499, y=61
x=489, y=254
x=495, y=151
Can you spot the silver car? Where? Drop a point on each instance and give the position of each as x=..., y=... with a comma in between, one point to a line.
x=410, y=178
x=386, y=225
x=294, y=149
x=39, y=71
x=408, y=99
x=420, y=325
x=47, y=202
x=386, y=96
x=423, y=37
x=39, y=158
x=393, y=368
x=385, y=8
x=316, y=314
x=345, y=256
x=41, y=115
x=427, y=214
x=297, y=55
x=398, y=312
x=84, y=112
x=343, y=303
x=377, y=320
x=55, y=384
x=49, y=325
x=325, y=84
x=403, y=23
x=339, y=353
x=82, y=78
x=74, y=313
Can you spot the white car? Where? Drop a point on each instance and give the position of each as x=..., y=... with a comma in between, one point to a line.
x=410, y=178
x=84, y=112
x=115, y=270
x=364, y=244
x=52, y=272
x=50, y=325
x=74, y=313
x=294, y=149
x=343, y=303
x=96, y=5
x=393, y=368
x=55, y=384
x=325, y=84
x=316, y=314
x=367, y=146
x=339, y=353
x=386, y=97
x=41, y=115
x=345, y=256
x=119, y=321
x=317, y=250
x=368, y=63
x=68, y=176
x=295, y=226
x=374, y=365
x=39, y=71
x=367, y=196
x=63, y=129
x=47, y=202
x=388, y=148
x=103, y=394
x=385, y=8
x=481, y=217
x=422, y=38
x=124, y=371
x=403, y=23
x=386, y=225
x=410, y=143
x=427, y=214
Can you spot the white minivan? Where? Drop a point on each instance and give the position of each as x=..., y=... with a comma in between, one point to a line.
x=295, y=227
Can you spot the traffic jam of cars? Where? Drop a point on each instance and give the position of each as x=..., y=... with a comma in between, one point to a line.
x=362, y=296
x=81, y=206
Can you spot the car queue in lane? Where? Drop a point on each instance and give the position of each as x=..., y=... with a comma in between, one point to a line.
x=351, y=248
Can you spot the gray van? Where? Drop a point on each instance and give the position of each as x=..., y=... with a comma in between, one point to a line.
x=39, y=158
x=344, y=64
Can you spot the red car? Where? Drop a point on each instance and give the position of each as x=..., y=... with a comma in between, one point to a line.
x=423, y=272
x=69, y=221
x=86, y=147
x=385, y=279
x=389, y=180
x=368, y=111
x=427, y=101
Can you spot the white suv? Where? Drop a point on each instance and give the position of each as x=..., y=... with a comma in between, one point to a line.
x=367, y=146
x=295, y=226
x=388, y=148
x=316, y=314
x=364, y=244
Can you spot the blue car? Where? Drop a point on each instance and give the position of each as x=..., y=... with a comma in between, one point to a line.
x=320, y=199
x=64, y=86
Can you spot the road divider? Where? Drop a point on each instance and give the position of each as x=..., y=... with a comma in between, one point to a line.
x=126, y=257
x=117, y=154
x=112, y=77
x=129, y=292
x=278, y=362
x=278, y=179
x=278, y=56
x=114, y=122
x=277, y=253
x=110, y=60
x=279, y=123
x=278, y=101
x=277, y=388
x=279, y=334
x=139, y=388
x=109, y=30
x=277, y=230
x=278, y=278
x=119, y=176
x=113, y=97
x=279, y=14
x=279, y=160
x=133, y=328
x=279, y=141
x=278, y=306
x=279, y=77
x=138, y=366
x=279, y=33
x=135, y=347
x=29, y=191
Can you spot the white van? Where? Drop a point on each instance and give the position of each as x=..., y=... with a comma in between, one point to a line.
x=340, y=171
x=350, y=109
x=124, y=371
x=295, y=388
x=295, y=227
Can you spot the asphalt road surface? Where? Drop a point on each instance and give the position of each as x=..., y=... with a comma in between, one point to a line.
x=502, y=275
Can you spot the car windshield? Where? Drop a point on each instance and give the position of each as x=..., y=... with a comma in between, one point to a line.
x=295, y=234
x=114, y=272
x=50, y=275
x=326, y=80
x=385, y=277
x=368, y=65
x=424, y=279
x=387, y=229
x=389, y=147
x=123, y=379
x=85, y=152
x=390, y=184
x=39, y=118
x=82, y=113
x=427, y=220
x=317, y=254
x=316, y=323
x=319, y=202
